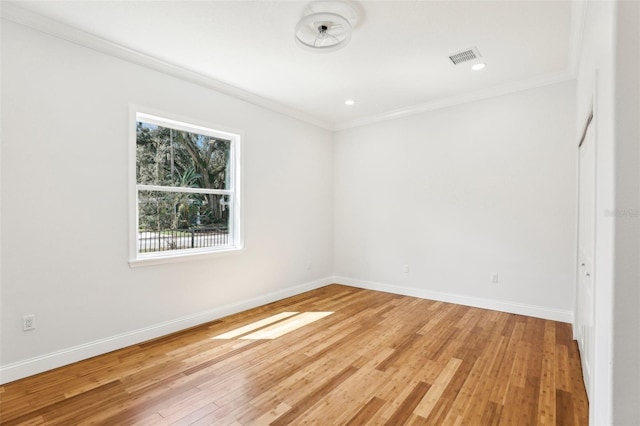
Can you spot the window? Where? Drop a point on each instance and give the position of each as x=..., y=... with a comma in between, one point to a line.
x=186, y=190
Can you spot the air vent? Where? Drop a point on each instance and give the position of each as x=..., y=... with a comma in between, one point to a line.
x=465, y=55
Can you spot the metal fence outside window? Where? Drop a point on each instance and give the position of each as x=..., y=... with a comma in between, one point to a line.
x=181, y=239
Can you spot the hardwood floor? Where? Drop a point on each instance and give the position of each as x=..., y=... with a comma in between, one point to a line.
x=377, y=358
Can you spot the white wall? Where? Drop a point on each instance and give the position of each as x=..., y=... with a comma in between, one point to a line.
x=462, y=192
x=626, y=309
x=609, y=72
x=435, y=191
x=595, y=86
x=65, y=206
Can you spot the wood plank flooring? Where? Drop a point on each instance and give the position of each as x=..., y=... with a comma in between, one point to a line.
x=378, y=358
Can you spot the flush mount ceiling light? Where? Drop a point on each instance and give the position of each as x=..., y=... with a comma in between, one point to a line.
x=478, y=66
x=326, y=26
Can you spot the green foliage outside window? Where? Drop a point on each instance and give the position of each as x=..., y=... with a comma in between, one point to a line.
x=174, y=158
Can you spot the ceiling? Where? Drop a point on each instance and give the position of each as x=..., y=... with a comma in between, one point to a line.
x=397, y=61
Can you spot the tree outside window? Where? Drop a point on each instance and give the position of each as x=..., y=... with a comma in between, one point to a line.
x=185, y=187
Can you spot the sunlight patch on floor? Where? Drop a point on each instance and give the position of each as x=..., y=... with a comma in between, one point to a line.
x=274, y=326
x=287, y=326
x=256, y=325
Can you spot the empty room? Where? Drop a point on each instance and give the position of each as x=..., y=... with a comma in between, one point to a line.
x=320, y=212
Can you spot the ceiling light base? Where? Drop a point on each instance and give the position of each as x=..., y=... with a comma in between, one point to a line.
x=326, y=26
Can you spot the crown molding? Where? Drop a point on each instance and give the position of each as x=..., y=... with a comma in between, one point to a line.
x=19, y=15
x=11, y=12
x=578, y=16
x=492, y=92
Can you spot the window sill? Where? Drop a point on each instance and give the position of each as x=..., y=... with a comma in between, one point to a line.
x=183, y=257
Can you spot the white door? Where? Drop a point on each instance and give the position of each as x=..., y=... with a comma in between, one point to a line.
x=586, y=248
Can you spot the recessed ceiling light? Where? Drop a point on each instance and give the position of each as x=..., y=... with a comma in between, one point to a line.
x=349, y=102
x=478, y=66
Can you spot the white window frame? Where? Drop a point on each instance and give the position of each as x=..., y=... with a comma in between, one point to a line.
x=164, y=119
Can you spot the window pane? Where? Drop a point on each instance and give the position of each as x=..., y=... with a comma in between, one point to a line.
x=170, y=157
x=179, y=221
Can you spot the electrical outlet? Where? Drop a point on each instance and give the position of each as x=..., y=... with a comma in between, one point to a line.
x=405, y=268
x=494, y=277
x=28, y=322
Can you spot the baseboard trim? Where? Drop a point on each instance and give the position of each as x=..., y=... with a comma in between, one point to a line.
x=39, y=364
x=495, y=305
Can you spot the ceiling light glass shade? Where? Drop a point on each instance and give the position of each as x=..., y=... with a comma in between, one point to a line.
x=323, y=32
